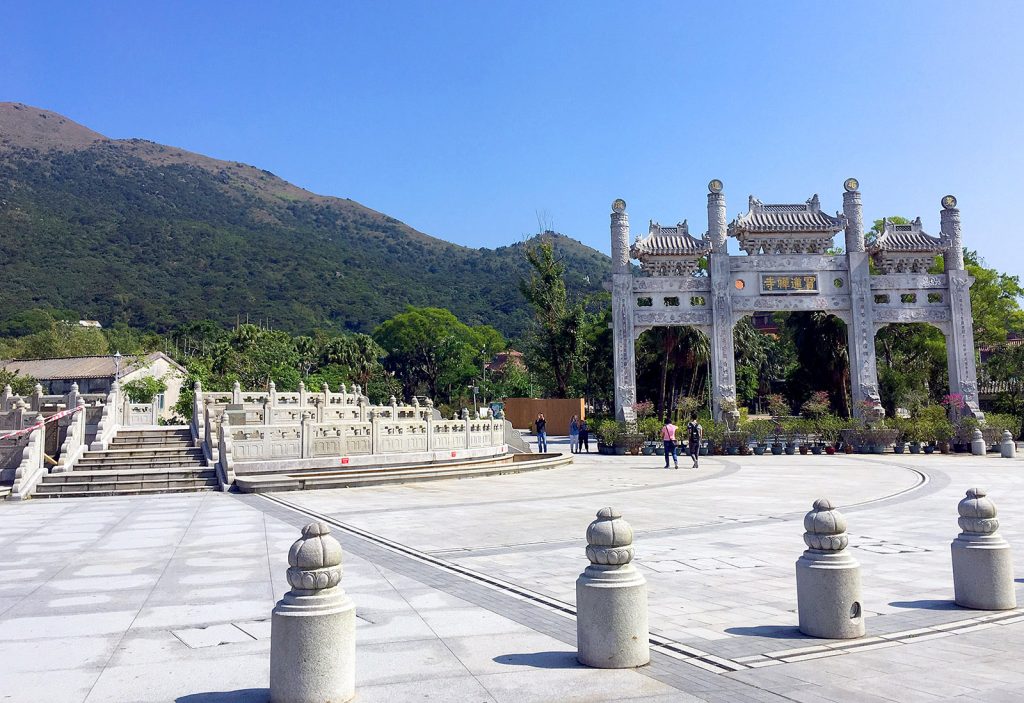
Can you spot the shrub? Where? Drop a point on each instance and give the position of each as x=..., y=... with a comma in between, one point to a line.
x=144, y=389
x=777, y=405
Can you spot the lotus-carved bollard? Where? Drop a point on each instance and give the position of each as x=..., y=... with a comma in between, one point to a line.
x=611, y=598
x=982, y=563
x=1007, y=448
x=828, y=577
x=977, y=443
x=312, y=636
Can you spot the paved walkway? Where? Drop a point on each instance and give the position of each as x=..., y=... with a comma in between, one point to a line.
x=465, y=589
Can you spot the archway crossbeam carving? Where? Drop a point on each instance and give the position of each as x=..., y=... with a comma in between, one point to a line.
x=787, y=268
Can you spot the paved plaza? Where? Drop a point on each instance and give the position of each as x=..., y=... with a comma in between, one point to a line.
x=465, y=588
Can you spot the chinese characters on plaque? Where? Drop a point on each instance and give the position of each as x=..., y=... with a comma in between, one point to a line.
x=784, y=283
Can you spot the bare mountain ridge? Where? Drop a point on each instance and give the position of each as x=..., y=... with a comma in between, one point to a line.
x=154, y=235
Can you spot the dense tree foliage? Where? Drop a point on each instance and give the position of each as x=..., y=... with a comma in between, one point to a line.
x=118, y=234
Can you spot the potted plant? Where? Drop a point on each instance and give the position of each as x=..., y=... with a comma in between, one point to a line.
x=789, y=431
x=828, y=427
x=650, y=428
x=714, y=432
x=777, y=434
x=760, y=430
x=607, y=433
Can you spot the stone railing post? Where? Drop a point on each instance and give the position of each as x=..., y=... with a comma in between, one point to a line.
x=272, y=394
x=982, y=562
x=302, y=394
x=313, y=628
x=1007, y=448
x=430, y=433
x=362, y=410
x=828, y=590
x=5, y=398
x=306, y=441
x=36, y=399
x=611, y=599
x=224, y=459
x=31, y=468
x=236, y=393
x=196, y=426
x=978, y=443
x=71, y=399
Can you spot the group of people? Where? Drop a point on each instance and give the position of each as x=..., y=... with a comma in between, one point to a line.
x=579, y=435
x=694, y=434
x=579, y=438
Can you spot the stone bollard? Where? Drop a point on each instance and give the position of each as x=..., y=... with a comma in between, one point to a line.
x=978, y=443
x=611, y=599
x=828, y=578
x=1007, y=448
x=313, y=629
x=982, y=562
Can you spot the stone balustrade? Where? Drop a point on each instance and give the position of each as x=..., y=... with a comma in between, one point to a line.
x=263, y=432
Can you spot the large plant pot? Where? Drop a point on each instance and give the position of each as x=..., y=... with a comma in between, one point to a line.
x=915, y=447
x=830, y=450
x=848, y=448
x=803, y=449
x=619, y=451
x=648, y=450
x=704, y=450
x=899, y=448
x=776, y=449
x=759, y=449
x=790, y=449
x=928, y=449
x=733, y=451
x=816, y=450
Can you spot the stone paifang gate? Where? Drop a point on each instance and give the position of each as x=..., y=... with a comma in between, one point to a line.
x=786, y=268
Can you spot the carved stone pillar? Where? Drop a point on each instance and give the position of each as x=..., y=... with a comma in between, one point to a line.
x=723, y=354
x=854, y=216
x=717, y=230
x=963, y=374
x=861, y=337
x=624, y=363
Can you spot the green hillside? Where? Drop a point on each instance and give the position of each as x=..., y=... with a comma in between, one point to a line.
x=153, y=236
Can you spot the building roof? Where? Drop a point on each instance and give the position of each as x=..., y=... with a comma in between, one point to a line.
x=785, y=218
x=669, y=241
x=76, y=367
x=503, y=359
x=905, y=238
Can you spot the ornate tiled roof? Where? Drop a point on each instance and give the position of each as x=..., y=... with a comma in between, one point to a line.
x=783, y=218
x=669, y=241
x=906, y=238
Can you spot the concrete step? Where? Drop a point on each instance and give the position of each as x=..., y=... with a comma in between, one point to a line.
x=154, y=453
x=155, y=442
x=373, y=476
x=127, y=492
x=153, y=434
x=103, y=474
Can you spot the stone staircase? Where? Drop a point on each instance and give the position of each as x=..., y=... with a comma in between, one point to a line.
x=136, y=462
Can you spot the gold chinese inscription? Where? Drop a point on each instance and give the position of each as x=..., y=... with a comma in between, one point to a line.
x=778, y=283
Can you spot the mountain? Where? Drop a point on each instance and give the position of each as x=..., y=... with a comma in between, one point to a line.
x=151, y=235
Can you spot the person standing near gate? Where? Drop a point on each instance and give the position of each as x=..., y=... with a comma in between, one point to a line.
x=694, y=433
x=668, y=436
x=584, y=437
x=574, y=434
x=542, y=434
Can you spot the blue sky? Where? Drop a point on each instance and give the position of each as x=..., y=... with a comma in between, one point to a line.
x=467, y=119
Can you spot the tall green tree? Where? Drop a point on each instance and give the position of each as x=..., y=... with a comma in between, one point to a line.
x=554, y=343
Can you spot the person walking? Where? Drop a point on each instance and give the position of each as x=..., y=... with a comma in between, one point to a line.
x=542, y=434
x=574, y=434
x=584, y=437
x=668, y=436
x=694, y=433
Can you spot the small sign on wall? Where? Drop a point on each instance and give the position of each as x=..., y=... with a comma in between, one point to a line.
x=788, y=283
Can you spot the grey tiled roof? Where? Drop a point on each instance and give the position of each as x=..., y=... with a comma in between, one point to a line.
x=907, y=238
x=669, y=241
x=808, y=217
x=75, y=367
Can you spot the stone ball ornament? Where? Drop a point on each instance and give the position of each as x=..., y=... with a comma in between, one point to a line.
x=949, y=202
x=314, y=560
x=609, y=539
x=619, y=205
x=977, y=513
x=715, y=186
x=851, y=185
x=825, y=527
